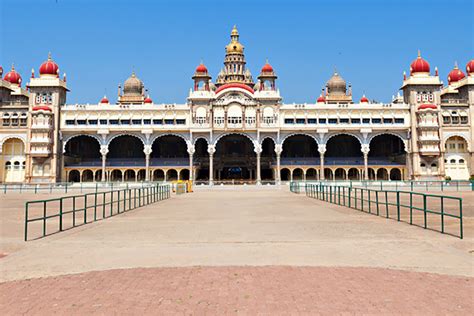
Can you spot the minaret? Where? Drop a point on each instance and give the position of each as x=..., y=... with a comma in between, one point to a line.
x=234, y=62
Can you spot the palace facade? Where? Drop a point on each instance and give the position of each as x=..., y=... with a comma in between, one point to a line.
x=236, y=128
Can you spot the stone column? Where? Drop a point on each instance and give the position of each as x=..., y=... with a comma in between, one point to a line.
x=211, y=149
x=322, y=151
x=365, y=151
x=147, y=150
x=191, y=151
x=258, y=152
x=104, y=150
x=278, y=150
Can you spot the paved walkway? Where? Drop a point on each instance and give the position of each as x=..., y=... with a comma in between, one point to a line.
x=241, y=291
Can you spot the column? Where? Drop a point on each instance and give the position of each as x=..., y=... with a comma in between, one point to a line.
x=322, y=151
x=365, y=151
x=211, y=150
x=191, y=151
x=104, y=151
x=278, y=150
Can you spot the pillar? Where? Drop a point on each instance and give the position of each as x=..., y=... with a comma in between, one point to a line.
x=365, y=151
x=104, y=150
x=211, y=149
x=191, y=168
x=147, y=150
x=259, y=178
x=278, y=151
x=322, y=151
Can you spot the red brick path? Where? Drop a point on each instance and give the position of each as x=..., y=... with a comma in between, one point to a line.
x=241, y=290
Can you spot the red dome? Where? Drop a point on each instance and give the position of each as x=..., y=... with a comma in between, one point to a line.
x=419, y=65
x=234, y=85
x=13, y=77
x=470, y=67
x=201, y=68
x=267, y=67
x=148, y=100
x=427, y=106
x=41, y=108
x=104, y=100
x=49, y=67
x=364, y=99
x=455, y=75
x=321, y=99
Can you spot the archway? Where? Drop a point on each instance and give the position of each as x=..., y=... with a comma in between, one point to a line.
x=387, y=149
x=340, y=174
x=311, y=174
x=353, y=174
x=382, y=174
x=87, y=176
x=395, y=174
x=126, y=150
x=371, y=174
x=169, y=150
x=201, y=159
x=141, y=175
x=129, y=175
x=343, y=149
x=13, y=158
x=82, y=151
x=98, y=175
x=158, y=175
x=235, y=158
x=171, y=175
x=457, y=158
x=74, y=176
x=285, y=174
x=298, y=174
x=267, y=159
x=116, y=175
x=184, y=174
x=328, y=175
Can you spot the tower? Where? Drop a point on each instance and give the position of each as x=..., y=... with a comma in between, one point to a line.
x=421, y=92
x=267, y=78
x=201, y=78
x=44, y=152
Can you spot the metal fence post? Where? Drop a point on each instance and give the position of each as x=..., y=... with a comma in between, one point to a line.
x=424, y=209
x=61, y=215
x=442, y=214
x=460, y=219
x=398, y=205
x=26, y=220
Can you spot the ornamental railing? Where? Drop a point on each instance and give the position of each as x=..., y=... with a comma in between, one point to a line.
x=47, y=217
x=439, y=213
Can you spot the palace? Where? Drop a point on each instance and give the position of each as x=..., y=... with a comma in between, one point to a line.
x=236, y=128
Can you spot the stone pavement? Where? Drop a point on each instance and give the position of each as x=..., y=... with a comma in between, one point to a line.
x=211, y=236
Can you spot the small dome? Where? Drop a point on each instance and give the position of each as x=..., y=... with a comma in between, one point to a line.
x=455, y=75
x=234, y=47
x=13, y=77
x=419, y=65
x=267, y=67
x=364, y=99
x=148, y=100
x=49, y=67
x=470, y=67
x=133, y=86
x=201, y=68
x=336, y=85
x=104, y=100
x=427, y=106
x=321, y=99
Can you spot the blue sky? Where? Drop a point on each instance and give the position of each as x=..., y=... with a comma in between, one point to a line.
x=98, y=43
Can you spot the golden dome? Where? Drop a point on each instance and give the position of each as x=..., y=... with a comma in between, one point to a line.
x=234, y=46
x=133, y=85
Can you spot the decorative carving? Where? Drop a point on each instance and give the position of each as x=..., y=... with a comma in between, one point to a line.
x=365, y=148
x=211, y=149
x=322, y=149
x=147, y=149
x=104, y=150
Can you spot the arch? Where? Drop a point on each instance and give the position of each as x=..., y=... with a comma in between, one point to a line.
x=158, y=175
x=87, y=176
x=454, y=134
x=356, y=136
x=328, y=174
x=116, y=175
x=126, y=150
x=262, y=139
x=66, y=140
x=404, y=140
x=155, y=137
x=299, y=133
x=171, y=175
x=8, y=137
x=395, y=174
x=382, y=174
x=353, y=174
x=340, y=174
x=371, y=174
x=184, y=174
x=298, y=174
x=343, y=149
x=98, y=175
x=82, y=150
x=234, y=133
x=300, y=145
x=169, y=146
x=285, y=174
x=129, y=175
x=141, y=175
x=311, y=174
x=74, y=176
x=111, y=138
x=200, y=137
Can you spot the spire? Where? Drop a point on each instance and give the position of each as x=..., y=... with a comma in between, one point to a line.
x=455, y=65
x=49, y=55
x=419, y=53
x=234, y=35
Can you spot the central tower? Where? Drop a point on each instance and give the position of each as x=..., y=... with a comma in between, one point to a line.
x=234, y=63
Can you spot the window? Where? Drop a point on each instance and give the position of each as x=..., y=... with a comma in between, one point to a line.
x=180, y=121
x=452, y=161
x=158, y=122
x=332, y=121
x=114, y=122
x=124, y=122
x=92, y=122
x=169, y=121
x=461, y=160
x=463, y=119
x=289, y=121
x=387, y=121
x=312, y=121
x=455, y=119
x=234, y=120
x=70, y=122
x=322, y=121
x=399, y=121
x=147, y=122
x=81, y=122
x=344, y=121
x=103, y=122
x=461, y=146
x=137, y=122
x=366, y=121
x=23, y=122
x=446, y=119
x=423, y=165
x=355, y=121
x=300, y=121
x=376, y=121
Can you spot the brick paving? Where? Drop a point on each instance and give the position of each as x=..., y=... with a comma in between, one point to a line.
x=270, y=290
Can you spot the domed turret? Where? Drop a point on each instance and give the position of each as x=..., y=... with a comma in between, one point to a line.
x=364, y=99
x=13, y=77
x=455, y=75
x=321, y=99
x=419, y=65
x=133, y=86
x=470, y=68
x=148, y=100
x=234, y=46
x=336, y=85
x=104, y=100
x=49, y=68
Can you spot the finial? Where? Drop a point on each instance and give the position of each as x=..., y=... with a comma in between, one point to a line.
x=64, y=77
x=49, y=55
x=13, y=66
x=455, y=65
x=436, y=71
x=419, y=53
x=335, y=71
x=404, y=75
x=32, y=72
